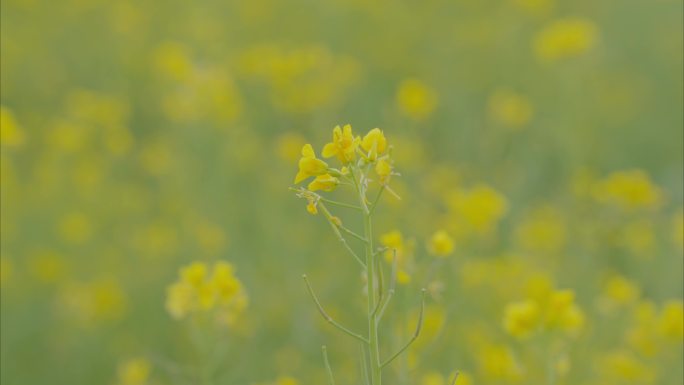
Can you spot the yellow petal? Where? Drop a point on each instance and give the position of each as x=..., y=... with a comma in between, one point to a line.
x=307, y=151
x=300, y=176
x=329, y=150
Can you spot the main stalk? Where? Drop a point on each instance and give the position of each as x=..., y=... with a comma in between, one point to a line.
x=373, y=345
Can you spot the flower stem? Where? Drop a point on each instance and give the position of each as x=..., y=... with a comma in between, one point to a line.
x=373, y=345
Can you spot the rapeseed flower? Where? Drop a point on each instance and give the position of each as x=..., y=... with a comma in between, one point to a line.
x=309, y=165
x=343, y=145
x=374, y=143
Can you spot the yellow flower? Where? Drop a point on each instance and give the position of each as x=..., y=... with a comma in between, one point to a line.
x=134, y=372
x=510, y=109
x=620, y=291
x=344, y=145
x=521, y=318
x=562, y=313
x=11, y=133
x=441, y=244
x=311, y=207
x=309, y=165
x=374, y=143
x=671, y=322
x=325, y=182
x=179, y=299
x=416, y=99
x=194, y=274
x=628, y=189
x=565, y=38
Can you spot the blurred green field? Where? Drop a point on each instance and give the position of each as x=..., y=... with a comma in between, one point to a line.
x=544, y=137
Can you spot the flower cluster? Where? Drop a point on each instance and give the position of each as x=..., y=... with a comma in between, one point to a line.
x=371, y=151
x=200, y=290
x=553, y=311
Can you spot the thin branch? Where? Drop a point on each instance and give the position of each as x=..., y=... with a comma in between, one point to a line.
x=339, y=236
x=327, y=317
x=331, y=379
x=377, y=199
x=341, y=204
x=353, y=234
x=393, y=283
x=419, y=326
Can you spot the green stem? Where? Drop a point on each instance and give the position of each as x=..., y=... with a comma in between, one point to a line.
x=373, y=345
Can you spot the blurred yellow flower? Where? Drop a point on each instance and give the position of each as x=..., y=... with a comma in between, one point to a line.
x=47, y=266
x=621, y=291
x=621, y=365
x=343, y=146
x=198, y=289
x=565, y=38
x=288, y=146
x=441, y=244
x=75, y=228
x=172, y=59
x=563, y=313
x=5, y=270
x=671, y=322
x=416, y=99
x=134, y=371
x=11, y=134
x=481, y=207
x=522, y=318
x=309, y=165
x=510, y=109
x=544, y=231
x=628, y=189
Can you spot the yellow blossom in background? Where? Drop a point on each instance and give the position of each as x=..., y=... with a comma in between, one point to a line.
x=11, y=134
x=92, y=302
x=172, y=59
x=200, y=289
x=620, y=291
x=343, y=146
x=288, y=146
x=565, y=38
x=75, y=228
x=432, y=378
x=521, y=318
x=47, y=266
x=498, y=362
x=309, y=165
x=510, y=109
x=134, y=371
x=441, y=244
x=623, y=365
x=628, y=190
x=639, y=238
x=671, y=321
x=5, y=270
x=563, y=313
x=544, y=231
x=481, y=207
x=416, y=99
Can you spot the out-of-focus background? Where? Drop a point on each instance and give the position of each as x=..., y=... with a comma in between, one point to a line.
x=543, y=136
